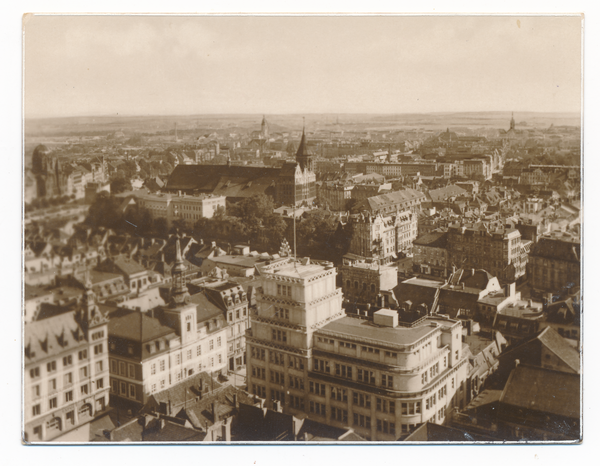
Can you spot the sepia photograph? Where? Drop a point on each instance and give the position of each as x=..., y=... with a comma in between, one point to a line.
x=300, y=229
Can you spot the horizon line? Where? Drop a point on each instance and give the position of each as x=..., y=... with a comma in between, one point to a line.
x=116, y=115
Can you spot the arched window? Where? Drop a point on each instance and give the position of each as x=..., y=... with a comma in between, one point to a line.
x=85, y=410
x=54, y=424
x=372, y=288
x=348, y=284
x=364, y=286
x=355, y=285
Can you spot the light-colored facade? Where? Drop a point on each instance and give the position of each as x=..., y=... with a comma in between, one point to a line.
x=382, y=236
x=186, y=207
x=380, y=378
x=231, y=298
x=152, y=351
x=66, y=373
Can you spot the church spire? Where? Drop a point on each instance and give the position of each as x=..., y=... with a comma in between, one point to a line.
x=512, y=120
x=303, y=155
x=179, y=291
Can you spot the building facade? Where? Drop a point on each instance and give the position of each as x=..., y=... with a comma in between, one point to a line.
x=231, y=298
x=555, y=263
x=378, y=377
x=66, y=373
x=499, y=251
x=152, y=351
x=363, y=282
x=189, y=208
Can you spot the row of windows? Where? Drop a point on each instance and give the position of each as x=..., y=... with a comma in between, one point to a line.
x=67, y=380
x=277, y=358
x=84, y=390
x=284, y=290
x=67, y=361
x=237, y=314
x=123, y=388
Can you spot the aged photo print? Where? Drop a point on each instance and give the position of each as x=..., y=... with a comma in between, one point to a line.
x=301, y=229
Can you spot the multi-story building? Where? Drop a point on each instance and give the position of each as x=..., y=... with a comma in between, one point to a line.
x=336, y=195
x=382, y=377
x=380, y=236
x=66, y=373
x=365, y=282
x=430, y=255
x=154, y=350
x=232, y=300
x=499, y=251
x=190, y=208
x=555, y=263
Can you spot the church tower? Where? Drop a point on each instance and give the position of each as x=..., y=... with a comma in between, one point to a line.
x=264, y=128
x=512, y=121
x=304, y=156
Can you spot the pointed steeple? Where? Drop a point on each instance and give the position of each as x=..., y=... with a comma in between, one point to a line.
x=512, y=120
x=179, y=291
x=304, y=155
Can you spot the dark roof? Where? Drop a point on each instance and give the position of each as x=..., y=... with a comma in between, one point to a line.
x=231, y=181
x=417, y=292
x=136, y=326
x=430, y=432
x=205, y=308
x=169, y=431
x=435, y=239
x=561, y=249
x=543, y=390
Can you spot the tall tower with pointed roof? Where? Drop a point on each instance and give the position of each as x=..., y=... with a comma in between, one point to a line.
x=512, y=121
x=264, y=128
x=304, y=156
x=179, y=291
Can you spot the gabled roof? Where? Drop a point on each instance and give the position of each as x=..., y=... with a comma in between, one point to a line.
x=543, y=390
x=563, y=350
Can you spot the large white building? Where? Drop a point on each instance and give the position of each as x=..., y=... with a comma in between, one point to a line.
x=381, y=377
x=186, y=207
x=66, y=373
x=154, y=350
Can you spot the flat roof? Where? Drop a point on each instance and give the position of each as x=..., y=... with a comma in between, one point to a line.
x=358, y=328
x=297, y=270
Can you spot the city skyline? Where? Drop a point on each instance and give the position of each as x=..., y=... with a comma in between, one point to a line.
x=109, y=65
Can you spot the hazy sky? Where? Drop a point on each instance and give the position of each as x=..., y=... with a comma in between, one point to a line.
x=137, y=65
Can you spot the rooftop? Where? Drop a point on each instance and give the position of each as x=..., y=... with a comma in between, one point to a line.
x=358, y=328
x=302, y=268
x=543, y=390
